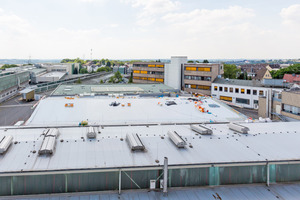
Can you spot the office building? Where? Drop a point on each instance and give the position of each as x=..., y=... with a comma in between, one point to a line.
x=244, y=93
x=148, y=72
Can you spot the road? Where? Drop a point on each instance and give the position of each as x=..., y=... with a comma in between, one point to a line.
x=248, y=112
x=97, y=80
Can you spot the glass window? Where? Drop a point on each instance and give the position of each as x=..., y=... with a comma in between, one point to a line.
x=243, y=91
x=261, y=92
x=254, y=92
x=216, y=88
x=220, y=89
x=248, y=91
x=231, y=89
x=236, y=90
x=242, y=101
x=225, y=89
x=226, y=98
x=255, y=102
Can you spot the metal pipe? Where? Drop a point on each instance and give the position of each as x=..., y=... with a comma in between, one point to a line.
x=120, y=181
x=165, y=188
x=268, y=174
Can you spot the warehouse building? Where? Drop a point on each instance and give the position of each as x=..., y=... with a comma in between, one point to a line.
x=76, y=163
x=11, y=82
x=113, y=89
x=130, y=110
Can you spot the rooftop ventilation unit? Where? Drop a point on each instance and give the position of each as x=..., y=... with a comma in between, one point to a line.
x=178, y=141
x=5, y=142
x=91, y=133
x=201, y=129
x=49, y=142
x=134, y=142
x=238, y=128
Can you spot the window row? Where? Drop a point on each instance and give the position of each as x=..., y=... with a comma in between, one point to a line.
x=148, y=65
x=204, y=69
x=200, y=78
x=291, y=109
x=147, y=72
x=238, y=90
x=8, y=93
x=149, y=79
x=200, y=87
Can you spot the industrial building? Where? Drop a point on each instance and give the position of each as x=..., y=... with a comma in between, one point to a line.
x=133, y=110
x=50, y=77
x=75, y=163
x=69, y=68
x=11, y=82
x=122, y=69
x=120, y=89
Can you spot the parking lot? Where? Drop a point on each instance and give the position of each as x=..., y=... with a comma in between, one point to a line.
x=15, y=110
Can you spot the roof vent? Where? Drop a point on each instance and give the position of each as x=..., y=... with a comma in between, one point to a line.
x=134, y=142
x=201, y=129
x=91, y=133
x=177, y=139
x=5, y=142
x=238, y=128
x=49, y=142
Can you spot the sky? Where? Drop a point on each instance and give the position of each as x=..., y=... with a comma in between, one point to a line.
x=149, y=29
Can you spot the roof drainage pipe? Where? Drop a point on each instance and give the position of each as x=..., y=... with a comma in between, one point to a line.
x=165, y=186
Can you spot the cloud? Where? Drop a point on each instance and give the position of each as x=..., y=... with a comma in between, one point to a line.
x=12, y=24
x=150, y=10
x=291, y=15
x=209, y=20
x=92, y=1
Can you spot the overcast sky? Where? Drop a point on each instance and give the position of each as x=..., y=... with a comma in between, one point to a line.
x=127, y=29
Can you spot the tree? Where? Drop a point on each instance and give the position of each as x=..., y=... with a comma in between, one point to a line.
x=78, y=81
x=101, y=81
x=205, y=61
x=83, y=71
x=8, y=66
x=108, y=64
x=230, y=71
x=293, y=69
x=190, y=61
x=130, y=78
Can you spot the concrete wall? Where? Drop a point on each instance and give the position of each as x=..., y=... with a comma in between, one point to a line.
x=262, y=107
x=291, y=98
x=173, y=71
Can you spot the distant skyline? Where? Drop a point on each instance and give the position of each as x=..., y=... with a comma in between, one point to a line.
x=145, y=29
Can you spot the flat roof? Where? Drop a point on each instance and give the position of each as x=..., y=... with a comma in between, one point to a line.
x=26, y=90
x=112, y=88
x=232, y=192
x=97, y=110
x=239, y=82
x=37, y=70
x=265, y=142
x=54, y=74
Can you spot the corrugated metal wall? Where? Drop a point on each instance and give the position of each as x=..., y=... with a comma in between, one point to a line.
x=99, y=181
